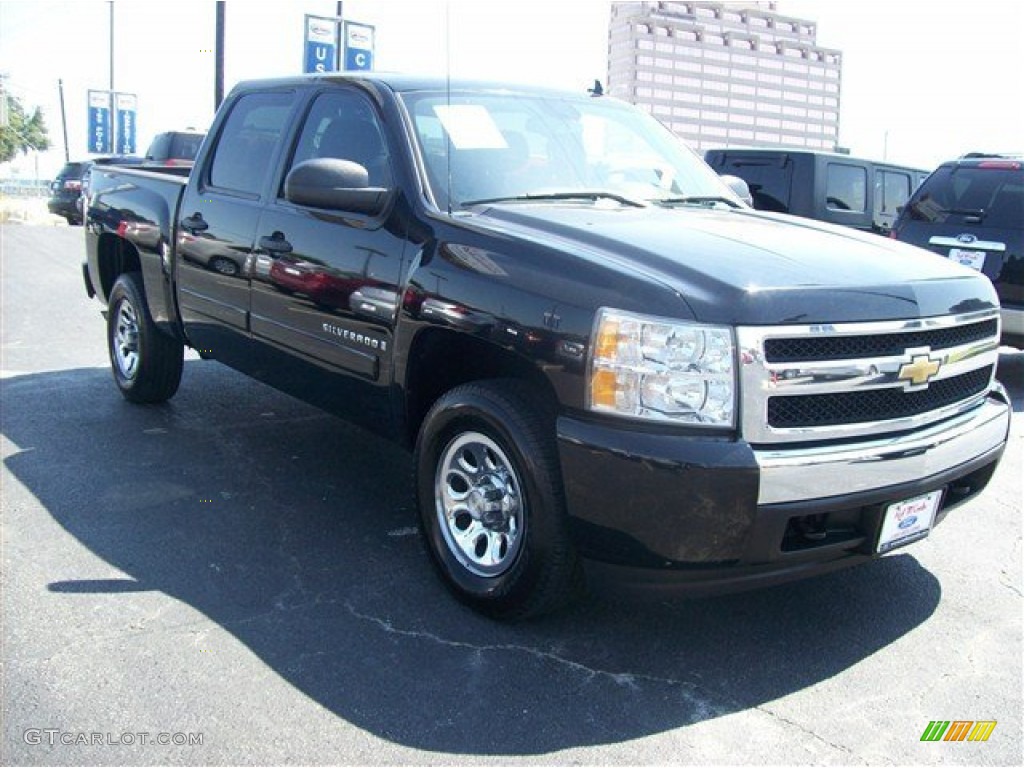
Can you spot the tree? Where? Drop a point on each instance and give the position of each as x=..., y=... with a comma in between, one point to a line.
x=19, y=132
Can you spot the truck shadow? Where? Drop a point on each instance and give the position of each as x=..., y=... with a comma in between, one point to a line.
x=1011, y=373
x=297, y=534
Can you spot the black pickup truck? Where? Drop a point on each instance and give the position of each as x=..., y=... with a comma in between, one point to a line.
x=602, y=358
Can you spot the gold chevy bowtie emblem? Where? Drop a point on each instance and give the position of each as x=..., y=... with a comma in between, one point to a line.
x=919, y=370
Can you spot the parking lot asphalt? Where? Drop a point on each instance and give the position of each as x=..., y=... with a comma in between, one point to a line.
x=237, y=578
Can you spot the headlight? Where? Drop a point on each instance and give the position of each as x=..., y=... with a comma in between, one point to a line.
x=662, y=370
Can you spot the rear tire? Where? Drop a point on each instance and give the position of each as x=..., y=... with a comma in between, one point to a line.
x=489, y=490
x=146, y=363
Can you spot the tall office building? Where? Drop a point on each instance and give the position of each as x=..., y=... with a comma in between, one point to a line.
x=726, y=74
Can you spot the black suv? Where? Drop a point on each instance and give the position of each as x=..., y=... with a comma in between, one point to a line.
x=972, y=210
x=838, y=188
x=72, y=181
x=65, y=190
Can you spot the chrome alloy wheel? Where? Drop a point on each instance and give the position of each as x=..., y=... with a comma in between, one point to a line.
x=125, y=343
x=479, y=506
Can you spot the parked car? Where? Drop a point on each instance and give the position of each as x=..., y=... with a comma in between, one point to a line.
x=971, y=210
x=838, y=188
x=175, y=147
x=67, y=188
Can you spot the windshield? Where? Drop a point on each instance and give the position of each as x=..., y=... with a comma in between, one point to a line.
x=492, y=146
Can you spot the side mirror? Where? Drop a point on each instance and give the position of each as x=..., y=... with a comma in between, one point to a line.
x=740, y=187
x=339, y=185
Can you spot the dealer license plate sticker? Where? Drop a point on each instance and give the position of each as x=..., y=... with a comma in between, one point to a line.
x=908, y=521
x=972, y=259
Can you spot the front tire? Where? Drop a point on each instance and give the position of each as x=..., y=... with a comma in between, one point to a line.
x=146, y=363
x=490, y=497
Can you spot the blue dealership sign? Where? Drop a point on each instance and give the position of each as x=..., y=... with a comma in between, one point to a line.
x=359, y=44
x=125, y=110
x=320, y=44
x=99, y=122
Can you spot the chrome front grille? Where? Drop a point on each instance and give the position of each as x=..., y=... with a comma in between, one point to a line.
x=817, y=348
x=823, y=382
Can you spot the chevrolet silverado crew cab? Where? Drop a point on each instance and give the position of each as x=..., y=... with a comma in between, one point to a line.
x=601, y=358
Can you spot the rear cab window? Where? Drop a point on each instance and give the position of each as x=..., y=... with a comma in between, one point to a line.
x=770, y=179
x=985, y=196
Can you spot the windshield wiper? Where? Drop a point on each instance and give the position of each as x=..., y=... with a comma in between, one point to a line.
x=974, y=212
x=579, y=194
x=696, y=200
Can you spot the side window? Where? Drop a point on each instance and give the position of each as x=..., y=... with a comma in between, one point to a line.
x=245, y=147
x=846, y=188
x=893, y=190
x=343, y=125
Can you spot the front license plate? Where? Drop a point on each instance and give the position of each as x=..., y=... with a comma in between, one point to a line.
x=972, y=259
x=907, y=521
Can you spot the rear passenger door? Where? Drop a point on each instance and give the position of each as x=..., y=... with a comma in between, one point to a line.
x=217, y=224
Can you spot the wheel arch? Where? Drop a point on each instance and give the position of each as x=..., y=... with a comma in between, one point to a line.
x=440, y=360
x=114, y=257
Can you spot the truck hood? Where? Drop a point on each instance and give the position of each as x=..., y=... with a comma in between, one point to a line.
x=743, y=267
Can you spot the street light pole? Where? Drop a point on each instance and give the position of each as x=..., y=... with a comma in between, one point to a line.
x=218, y=58
x=111, y=46
x=64, y=121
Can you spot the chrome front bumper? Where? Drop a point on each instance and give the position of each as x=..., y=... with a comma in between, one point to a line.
x=802, y=474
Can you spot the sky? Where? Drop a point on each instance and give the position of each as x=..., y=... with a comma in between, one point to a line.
x=922, y=82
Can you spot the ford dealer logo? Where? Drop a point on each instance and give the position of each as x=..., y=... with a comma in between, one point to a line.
x=904, y=524
x=966, y=238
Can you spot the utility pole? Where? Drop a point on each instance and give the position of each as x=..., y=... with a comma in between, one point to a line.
x=218, y=58
x=4, y=116
x=111, y=46
x=63, y=121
